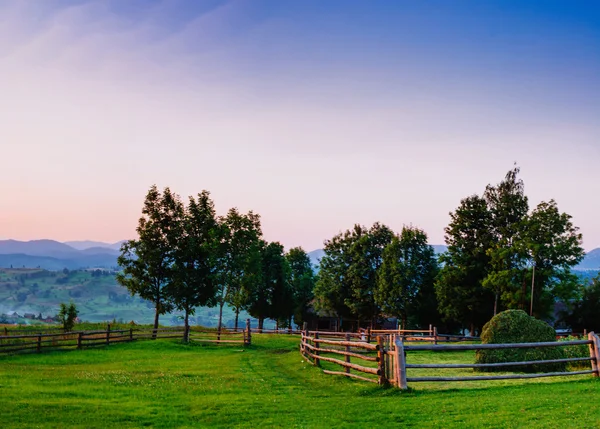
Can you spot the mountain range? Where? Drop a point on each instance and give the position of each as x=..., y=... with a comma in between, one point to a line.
x=54, y=255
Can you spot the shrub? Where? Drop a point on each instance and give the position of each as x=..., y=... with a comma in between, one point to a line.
x=577, y=352
x=515, y=326
x=67, y=315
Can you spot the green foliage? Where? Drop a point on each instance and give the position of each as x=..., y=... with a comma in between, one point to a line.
x=302, y=282
x=584, y=312
x=67, y=315
x=406, y=276
x=148, y=262
x=579, y=351
x=348, y=274
x=238, y=268
x=465, y=265
x=515, y=326
x=194, y=281
x=496, y=244
x=273, y=296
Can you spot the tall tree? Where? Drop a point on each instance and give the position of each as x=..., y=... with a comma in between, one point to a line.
x=148, y=262
x=302, y=282
x=508, y=207
x=465, y=265
x=238, y=260
x=408, y=270
x=194, y=274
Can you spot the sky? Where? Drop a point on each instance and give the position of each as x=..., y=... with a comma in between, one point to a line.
x=315, y=114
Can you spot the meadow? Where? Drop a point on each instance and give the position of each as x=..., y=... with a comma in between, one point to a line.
x=99, y=298
x=168, y=384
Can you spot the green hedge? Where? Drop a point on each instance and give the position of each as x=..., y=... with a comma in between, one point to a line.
x=515, y=326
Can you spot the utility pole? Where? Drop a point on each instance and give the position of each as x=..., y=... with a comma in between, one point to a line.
x=532, y=283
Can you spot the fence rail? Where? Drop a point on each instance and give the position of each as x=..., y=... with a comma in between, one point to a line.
x=389, y=356
x=40, y=342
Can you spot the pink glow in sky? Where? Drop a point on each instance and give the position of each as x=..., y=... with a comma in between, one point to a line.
x=314, y=125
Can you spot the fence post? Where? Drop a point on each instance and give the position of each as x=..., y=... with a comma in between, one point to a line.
x=39, y=344
x=248, y=333
x=435, y=336
x=316, y=350
x=347, y=370
x=594, y=353
x=368, y=334
x=108, y=334
x=381, y=361
x=400, y=364
x=79, y=335
x=130, y=334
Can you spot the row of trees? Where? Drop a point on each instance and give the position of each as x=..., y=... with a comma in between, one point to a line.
x=186, y=257
x=367, y=272
x=500, y=256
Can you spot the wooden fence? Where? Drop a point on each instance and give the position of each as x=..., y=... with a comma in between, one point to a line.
x=317, y=347
x=387, y=358
x=40, y=342
x=417, y=335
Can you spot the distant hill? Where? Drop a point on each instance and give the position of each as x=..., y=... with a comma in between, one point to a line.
x=52, y=255
x=591, y=261
x=36, y=248
x=87, y=244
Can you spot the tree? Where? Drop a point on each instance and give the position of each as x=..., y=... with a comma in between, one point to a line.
x=194, y=263
x=585, y=312
x=465, y=265
x=271, y=298
x=67, y=315
x=332, y=287
x=366, y=249
x=347, y=278
x=238, y=267
x=553, y=245
x=508, y=207
x=408, y=271
x=148, y=262
x=302, y=282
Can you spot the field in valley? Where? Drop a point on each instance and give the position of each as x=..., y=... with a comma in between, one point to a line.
x=169, y=384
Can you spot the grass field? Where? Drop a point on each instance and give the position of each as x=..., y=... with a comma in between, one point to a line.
x=166, y=384
x=98, y=298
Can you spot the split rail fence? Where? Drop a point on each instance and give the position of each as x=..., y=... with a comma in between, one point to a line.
x=385, y=361
x=42, y=342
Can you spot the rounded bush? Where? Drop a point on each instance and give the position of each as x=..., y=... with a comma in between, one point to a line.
x=515, y=326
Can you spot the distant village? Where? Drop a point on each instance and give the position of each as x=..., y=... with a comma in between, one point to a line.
x=14, y=318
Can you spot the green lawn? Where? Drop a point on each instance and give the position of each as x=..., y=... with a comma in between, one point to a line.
x=168, y=384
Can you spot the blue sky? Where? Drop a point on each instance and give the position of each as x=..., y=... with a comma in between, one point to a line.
x=315, y=114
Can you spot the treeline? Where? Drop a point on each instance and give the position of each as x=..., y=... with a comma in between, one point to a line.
x=187, y=257
x=500, y=256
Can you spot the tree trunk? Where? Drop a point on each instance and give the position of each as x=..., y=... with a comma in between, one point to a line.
x=261, y=321
x=156, y=314
x=472, y=330
x=237, y=314
x=221, y=304
x=186, y=337
x=496, y=303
